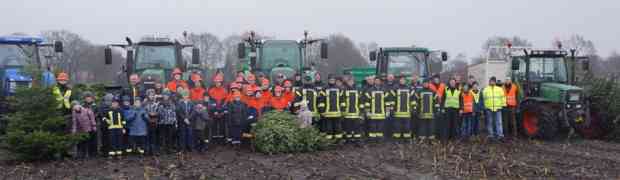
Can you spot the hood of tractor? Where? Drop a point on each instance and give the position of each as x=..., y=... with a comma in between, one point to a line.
x=557, y=92
x=286, y=71
x=156, y=75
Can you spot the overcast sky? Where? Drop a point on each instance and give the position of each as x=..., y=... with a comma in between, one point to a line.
x=456, y=26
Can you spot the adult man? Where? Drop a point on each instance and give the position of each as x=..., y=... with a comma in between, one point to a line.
x=404, y=104
x=352, y=110
x=377, y=109
x=330, y=108
x=494, y=100
x=63, y=93
x=452, y=103
x=135, y=89
x=308, y=94
x=511, y=90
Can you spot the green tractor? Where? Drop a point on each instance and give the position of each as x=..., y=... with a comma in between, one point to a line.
x=273, y=57
x=153, y=58
x=550, y=103
x=400, y=60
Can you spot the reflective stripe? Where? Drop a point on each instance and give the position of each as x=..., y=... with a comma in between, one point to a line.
x=333, y=100
x=428, y=104
x=377, y=107
x=403, y=104
x=352, y=107
x=112, y=124
x=64, y=99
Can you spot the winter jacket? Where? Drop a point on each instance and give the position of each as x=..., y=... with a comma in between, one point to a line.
x=138, y=122
x=174, y=84
x=199, y=119
x=238, y=112
x=183, y=111
x=152, y=110
x=83, y=121
x=197, y=94
x=167, y=114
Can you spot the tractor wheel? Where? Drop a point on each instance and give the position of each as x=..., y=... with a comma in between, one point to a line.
x=593, y=129
x=539, y=121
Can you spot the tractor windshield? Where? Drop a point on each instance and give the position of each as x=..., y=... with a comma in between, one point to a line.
x=406, y=63
x=280, y=56
x=16, y=55
x=155, y=57
x=549, y=69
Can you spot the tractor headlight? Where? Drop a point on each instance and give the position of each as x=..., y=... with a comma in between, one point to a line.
x=12, y=86
x=568, y=106
x=573, y=97
x=578, y=106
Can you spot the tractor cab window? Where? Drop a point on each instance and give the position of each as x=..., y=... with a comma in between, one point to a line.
x=16, y=55
x=155, y=57
x=406, y=63
x=547, y=69
x=280, y=56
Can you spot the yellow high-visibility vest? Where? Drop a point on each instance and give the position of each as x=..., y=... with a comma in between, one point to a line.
x=452, y=98
x=494, y=98
x=63, y=99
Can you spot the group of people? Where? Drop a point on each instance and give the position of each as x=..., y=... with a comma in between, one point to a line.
x=180, y=115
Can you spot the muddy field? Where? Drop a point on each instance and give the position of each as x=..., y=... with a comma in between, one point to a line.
x=576, y=159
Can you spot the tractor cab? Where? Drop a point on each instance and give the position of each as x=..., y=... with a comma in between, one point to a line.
x=16, y=54
x=153, y=58
x=274, y=57
x=405, y=61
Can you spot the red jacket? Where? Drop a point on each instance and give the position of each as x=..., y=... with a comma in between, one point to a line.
x=172, y=85
x=197, y=94
x=218, y=94
x=279, y=103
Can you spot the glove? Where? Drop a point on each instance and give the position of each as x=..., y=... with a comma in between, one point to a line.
x=124, y=131
x=251, y=117
x=186, y=121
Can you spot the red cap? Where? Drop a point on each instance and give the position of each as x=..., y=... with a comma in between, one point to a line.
x=62, y=76
x=196, y=77
x=176, y=71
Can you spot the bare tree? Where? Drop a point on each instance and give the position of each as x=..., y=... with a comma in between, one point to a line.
x=210, y=48
x=366, y=48
x=582, y=46
x=342, y=54
x=75, y=49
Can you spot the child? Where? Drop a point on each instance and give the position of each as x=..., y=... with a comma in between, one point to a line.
x=115, y=122
x=137, y=127
x=238, y=113
x=84, y=122
x=151, y=106
x=184, y=109
x=199, y=121
x=127, y=113
x=166, y=126
x=467, y=111
x=304, y=115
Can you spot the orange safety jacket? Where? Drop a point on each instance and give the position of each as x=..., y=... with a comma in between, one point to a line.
x=511, y=95
x=172, y=85
x=279, y=103
x=438, y=89
x=468, y=102
x=197, y=94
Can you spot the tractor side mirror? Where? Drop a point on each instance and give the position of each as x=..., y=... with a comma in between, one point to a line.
x=515, y=65
x=324, y=50
x=195, y=56
x=444, y=56
x=585, y=65
x=58, y=47
x=241, y=50
x=108, y=55
x=130, y=62
x=372, y=55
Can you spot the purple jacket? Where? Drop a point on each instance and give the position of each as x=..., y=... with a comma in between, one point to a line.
x=84, y=121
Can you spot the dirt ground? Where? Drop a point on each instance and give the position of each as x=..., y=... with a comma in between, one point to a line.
x=517, y=159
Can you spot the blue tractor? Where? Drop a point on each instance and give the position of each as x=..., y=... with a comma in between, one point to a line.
x=16, y=54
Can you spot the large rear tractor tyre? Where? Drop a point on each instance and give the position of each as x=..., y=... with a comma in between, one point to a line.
x=539, y=121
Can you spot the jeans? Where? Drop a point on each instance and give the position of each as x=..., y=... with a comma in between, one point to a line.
x=152, y=143
x=494, y=124
x=186, y=138
x=475, y=130
x=467, y=125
